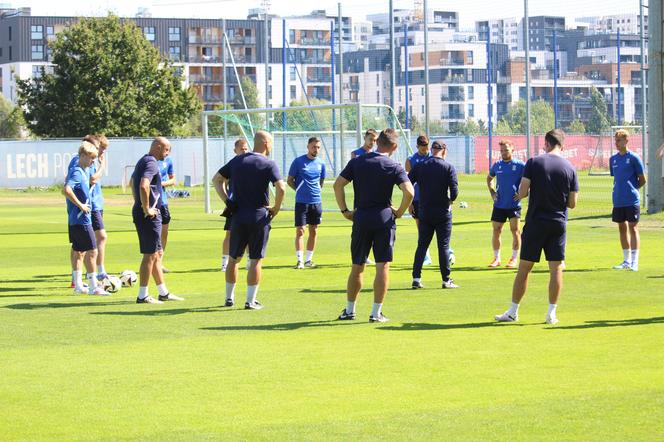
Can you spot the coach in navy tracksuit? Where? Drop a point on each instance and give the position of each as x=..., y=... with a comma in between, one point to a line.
x=374, y=176
x=437, y=181
x=249, y=175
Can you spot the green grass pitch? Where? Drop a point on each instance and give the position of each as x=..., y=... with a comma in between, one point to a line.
x=75, y=367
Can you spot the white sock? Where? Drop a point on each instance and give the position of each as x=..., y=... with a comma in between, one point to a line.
x=142, y=292
x=350, y=307
x=299, y=254
x=552, y=310
x=161, y=289
x=626, y=257
x=417, y=279
x=427, y=254
x=375, y=311
x=230, y=290
x=513, y=310
x=224, y=260
x=78, y=279
x=252, y=290
x=310, y=255
x=92, y=282
x=100, y=269
x=496, y=254
x=635, y=257
x=515, y=254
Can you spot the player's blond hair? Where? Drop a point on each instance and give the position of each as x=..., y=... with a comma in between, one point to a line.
x=622, y=133
x=87, y=148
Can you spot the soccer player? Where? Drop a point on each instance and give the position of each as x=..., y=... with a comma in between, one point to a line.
x=81, y=235
x=419, y=156
x=306, y=176
x=249, y=175
x=628, y=178
x=370, y=137
x=507, y=173
x=146, y=213
x=167, y=180
x=437, y=181
x=374, y=176
x=553, y=186
x=241, y=146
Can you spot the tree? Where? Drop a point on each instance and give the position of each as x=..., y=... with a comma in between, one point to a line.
x=542, y=118
x=576, y=127
x=11, y=119
x=599, y=120
x=471, y=127
x=107, y=78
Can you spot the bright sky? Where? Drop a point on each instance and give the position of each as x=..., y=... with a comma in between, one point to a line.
x=470, y=10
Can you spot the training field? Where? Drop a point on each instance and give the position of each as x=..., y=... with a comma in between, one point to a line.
x=76, y=367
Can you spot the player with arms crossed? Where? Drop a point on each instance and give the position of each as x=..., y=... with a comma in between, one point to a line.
x=81, y=234
x=146, y=213
x=167, y=180
x=249, y=175
x=628, y=178
x=306, y=176
x=507, y=173
x=374, y=176
x=439, y=187
x=553, y=185
x=419, y=156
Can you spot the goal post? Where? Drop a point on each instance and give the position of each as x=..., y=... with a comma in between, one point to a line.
x=340, y=128
x=605, y=148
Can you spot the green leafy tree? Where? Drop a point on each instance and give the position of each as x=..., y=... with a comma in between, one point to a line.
x=107, y=78
x=599, y=120
x=11, y=120
x=503, y=128
x=576, y=127
x=542, y=118
x=471, y=127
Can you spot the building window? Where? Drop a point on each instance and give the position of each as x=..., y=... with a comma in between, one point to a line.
x=293, y=92
x=36, y=32
x=471, y=111
x=377, y=79
x=422, y=109
x=471, y=92
x=269, y=93
x=422, y=91
x=50, y=32
x=377, y=96
x=291, y=36
x=292, y=73
x=37, y=52
x=269, y=73
x=148, y=31
x=173, y=34
x=36, y=71
x=10, y=34
x=174, y=53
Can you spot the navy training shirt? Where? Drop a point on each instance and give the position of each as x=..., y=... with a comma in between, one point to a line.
x=249, y=175
x=374, y=176
x=437, y=180
x=508, y=178
x=552, y=178
x=147, y=167
x=625, y=170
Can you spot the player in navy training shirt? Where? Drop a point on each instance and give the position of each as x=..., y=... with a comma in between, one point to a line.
x=553, y=185
x=419, y=156
x=370, y=137
x=146, y=188
x=250, y=175
x=628, y=178
x=168, y=179
x=240, y=147
x=507, y=173
x=306, y=177
x=439, y=187
x=374, y=176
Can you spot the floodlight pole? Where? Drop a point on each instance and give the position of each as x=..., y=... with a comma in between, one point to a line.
x=526, y=37
x=655, y=133
x=223, y=81
x=644, y=136
x=342, y=156
x=206, y=164
x=392, y=53
x=426, y=67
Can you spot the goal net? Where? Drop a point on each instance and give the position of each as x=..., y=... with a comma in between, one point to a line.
x=340, y=127
x=606, y=147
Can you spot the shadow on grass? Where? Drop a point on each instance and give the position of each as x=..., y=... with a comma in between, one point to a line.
x=171, y=312
x=612, y=323
x=423, y=326
x=284, y=326
x=47, y=305
x=655, y=277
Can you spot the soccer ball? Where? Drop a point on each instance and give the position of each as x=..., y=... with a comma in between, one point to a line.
x=112, y=284
x=452, y=257
x=463, y=205
x=128, y=278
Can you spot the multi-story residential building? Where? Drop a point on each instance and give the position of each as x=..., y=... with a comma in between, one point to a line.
x=438, y=20
x=582, y=48
x=625, y=23
x=504, y=30
x=541, y=31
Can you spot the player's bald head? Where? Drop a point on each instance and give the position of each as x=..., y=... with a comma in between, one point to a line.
x=263, y=142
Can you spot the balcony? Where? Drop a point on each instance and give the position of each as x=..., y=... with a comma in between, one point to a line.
x=354, y=87
x=455, y=79
x=312, y=42
x=452, y=62
x=313, y=60
x=319, y=78
x=205, y=39
x=242, y=40
x=212, y=98
x=326, y=97
x=209, y=79
x=204, y=59
x=453, y=97
x=244, y=58
x=454, y=116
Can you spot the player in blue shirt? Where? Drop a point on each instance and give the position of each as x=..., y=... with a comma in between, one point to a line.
x=306, y=176
x=146, y=188
x=628, y=178
x=419, y=156
x=241, y=147
x=249, y=176
x=167, y=180
x=507, y=173
x=81, y=235
x=438, y=185
x=553, y=186
x=374, y=176
x=370, y=137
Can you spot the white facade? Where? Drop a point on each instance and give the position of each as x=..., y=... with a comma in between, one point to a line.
x=625, y=23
